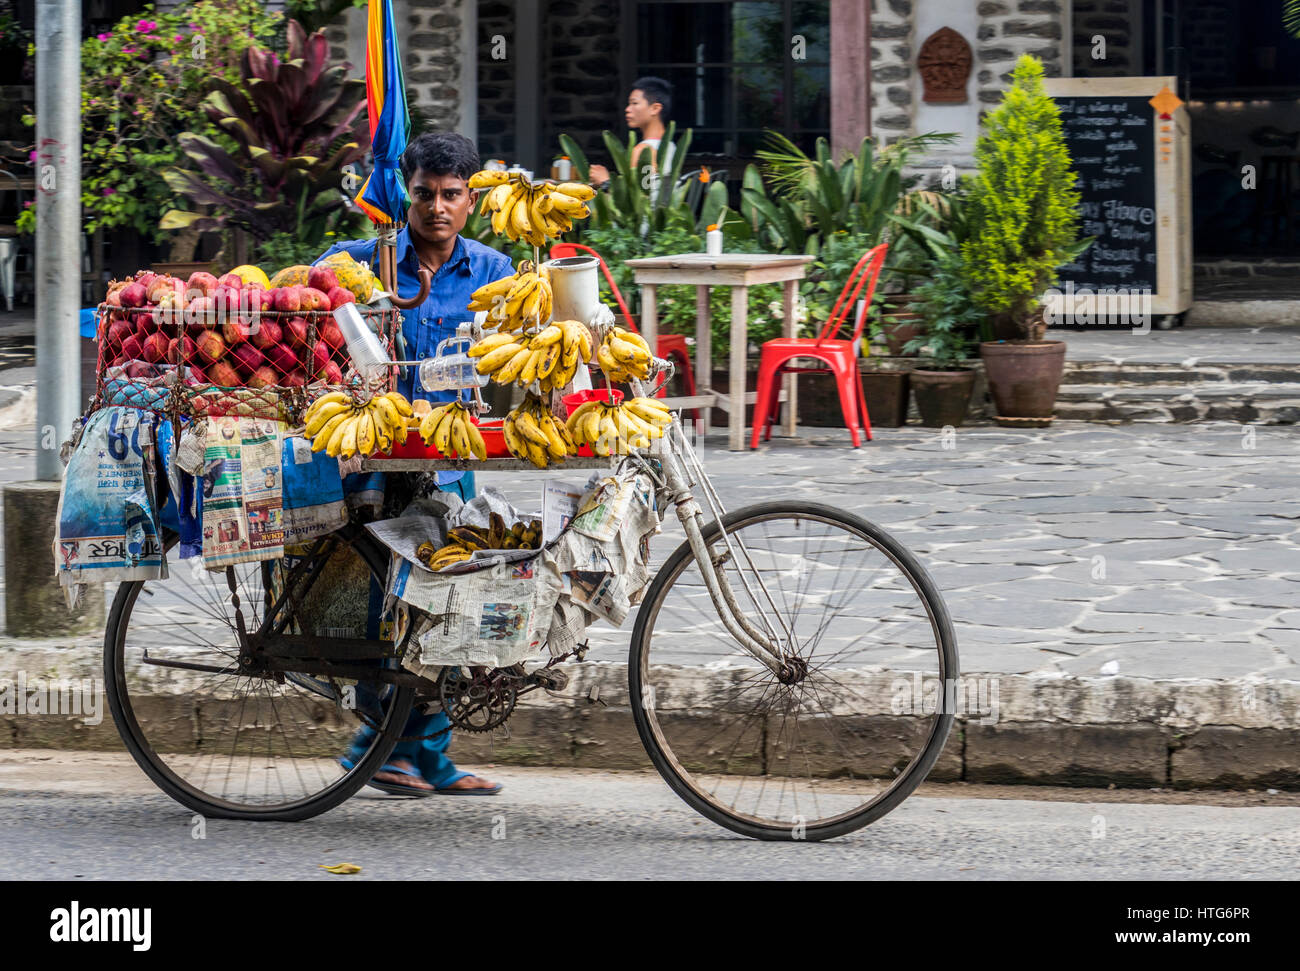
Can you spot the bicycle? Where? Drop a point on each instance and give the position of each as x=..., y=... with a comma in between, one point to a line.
x=744, y=670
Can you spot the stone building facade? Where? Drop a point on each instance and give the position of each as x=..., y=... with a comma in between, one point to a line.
x=463, y=60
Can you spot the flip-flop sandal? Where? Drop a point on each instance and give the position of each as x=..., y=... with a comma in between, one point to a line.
x=392, y=788
x=470, y=792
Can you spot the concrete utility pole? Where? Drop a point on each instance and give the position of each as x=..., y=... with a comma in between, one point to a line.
x=34, y=601
x=58, y=229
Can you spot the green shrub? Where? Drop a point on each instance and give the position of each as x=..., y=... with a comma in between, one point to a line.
x=1023, y=205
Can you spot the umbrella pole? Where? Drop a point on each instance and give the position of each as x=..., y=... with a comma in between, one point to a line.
x=388, y=270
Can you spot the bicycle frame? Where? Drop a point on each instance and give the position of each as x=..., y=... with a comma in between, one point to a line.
x=681, y=470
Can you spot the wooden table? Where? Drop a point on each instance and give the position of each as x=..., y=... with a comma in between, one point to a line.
x=740, y=271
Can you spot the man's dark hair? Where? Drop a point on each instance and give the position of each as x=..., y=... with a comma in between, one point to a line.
x=656, y=89
x=441, y=153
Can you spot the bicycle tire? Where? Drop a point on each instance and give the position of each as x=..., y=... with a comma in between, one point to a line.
x=660, y=752
x=136, y=741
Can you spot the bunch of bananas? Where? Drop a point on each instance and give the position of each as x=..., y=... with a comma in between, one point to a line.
x=617, y=429
x=534, y=213
x=551, y=356
x=449, y=430
x=513, y=301
x=339, y=424
x=533, y=433
x=462, y=541
x=624, y=355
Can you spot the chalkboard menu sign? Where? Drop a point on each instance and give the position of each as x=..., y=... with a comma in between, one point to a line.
x=1112, y=145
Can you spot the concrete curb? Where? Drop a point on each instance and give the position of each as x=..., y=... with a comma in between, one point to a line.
x=1030, y=729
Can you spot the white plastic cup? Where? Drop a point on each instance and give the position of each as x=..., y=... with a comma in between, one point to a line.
x=368, y=356
x=713, y=242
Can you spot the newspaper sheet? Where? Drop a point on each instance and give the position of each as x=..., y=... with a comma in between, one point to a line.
x=243, y=518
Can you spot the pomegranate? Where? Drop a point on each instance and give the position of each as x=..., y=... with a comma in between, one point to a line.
x=132, y=347
x=264, y=377
x=156, y=347
x=296, y=331
x=133, y=295
x=321, y=356
x=236, y=330
x=333, y=374
x=282, y=359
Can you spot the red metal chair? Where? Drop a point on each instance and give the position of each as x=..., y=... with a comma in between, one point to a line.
x=669, y=346
x=840, y=356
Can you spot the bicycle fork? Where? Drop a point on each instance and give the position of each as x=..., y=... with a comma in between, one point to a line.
x=772, y=643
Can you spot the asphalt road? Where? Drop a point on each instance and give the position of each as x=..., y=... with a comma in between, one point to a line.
x=93, y=816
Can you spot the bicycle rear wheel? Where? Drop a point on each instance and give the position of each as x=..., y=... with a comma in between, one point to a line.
x=233, y=745
x=838, y=740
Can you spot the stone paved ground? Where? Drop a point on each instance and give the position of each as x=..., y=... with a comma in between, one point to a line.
x=1171, y=550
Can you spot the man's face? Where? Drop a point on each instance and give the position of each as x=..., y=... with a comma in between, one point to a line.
x=639, y=111
x=440, y=204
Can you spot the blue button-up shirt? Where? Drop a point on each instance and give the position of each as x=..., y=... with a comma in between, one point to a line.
x=470, y=266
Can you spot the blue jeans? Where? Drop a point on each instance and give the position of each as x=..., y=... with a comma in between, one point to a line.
x=429, y=755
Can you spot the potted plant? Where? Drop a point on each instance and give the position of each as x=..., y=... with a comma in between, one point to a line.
x=942, y=381
x=884, y=386
x=1023, y=217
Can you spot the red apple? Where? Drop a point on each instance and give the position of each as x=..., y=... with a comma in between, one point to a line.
x=236, y=330
x=266, y=333
x=210, y=346
x=188, y=349
x=331, y=335
x=232, y=280
x=246, y=358
x=227, y=298
x=118, y=331
x=322, y=278
x=221, y=373
x=320, y=356
x=201, y=313
x=313, y=299
x=196, y=375
x=282, y=359
x=293, y=381
x=156, y=347
x=332, y=374
x=290, y=300
x=202, y=281
x=264, y=377
x=296, y=331
x=338, y=296
x=132, y=347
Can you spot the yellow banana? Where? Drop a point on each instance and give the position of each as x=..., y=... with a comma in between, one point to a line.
x=400, y=403
x=488, y=344
x=348, y=444
x=486, y=179
x=510, y=370
x=365, y=434
x=476, y=444
x=578, y=190
x=321, y=416
x=498, y=357
x=326, y=431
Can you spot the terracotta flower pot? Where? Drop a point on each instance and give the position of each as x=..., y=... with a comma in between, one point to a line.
x=942, y=397
x=1024, y=377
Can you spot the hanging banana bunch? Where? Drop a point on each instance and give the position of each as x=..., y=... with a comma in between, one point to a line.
x=341, y=426
x=624, y=355
x=618, y=429
x=533, y=213
x=551, y=356
x=516, y=301
x=450, y=431
x=533, y=433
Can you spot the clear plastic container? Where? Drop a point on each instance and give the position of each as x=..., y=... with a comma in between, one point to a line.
x=451, y=372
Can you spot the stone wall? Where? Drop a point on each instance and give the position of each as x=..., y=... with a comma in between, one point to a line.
x=582, y=83
x=1009, y=28
x=1119, y=24
x=430, y=32
x=893, y=66
x=496, y=79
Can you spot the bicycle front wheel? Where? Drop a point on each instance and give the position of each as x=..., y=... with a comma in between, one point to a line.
x=856, y=720
x=255, y=746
